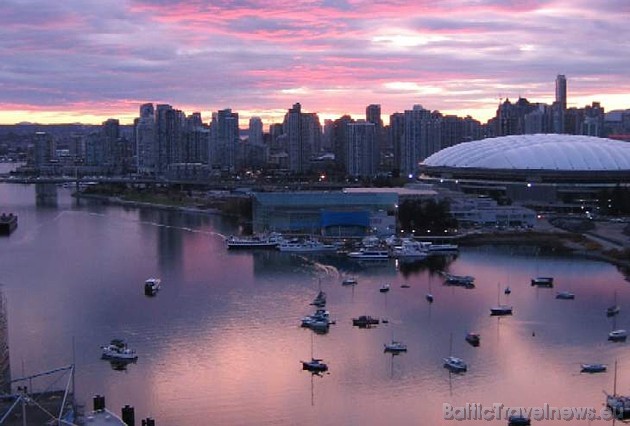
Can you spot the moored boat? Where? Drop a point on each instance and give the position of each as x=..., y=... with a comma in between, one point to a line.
x=117, y=349
x=349, y=281
x=384, y=288
x=618, y=335
x=473, y=338
x=542, y=281
x=8, y=223
x=369, y=254
x=565, y=295
x=466, y=281
x=314, y=365
x=306, y=246
x=152, y=286
x=269, y=241
x=501, y=310
x=455, y=364
x=593, y=368
x=365, y=321
x=518, y=420
x=395, y=347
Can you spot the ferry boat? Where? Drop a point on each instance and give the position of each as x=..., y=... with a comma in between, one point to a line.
x=268, y=241
x=8, y=223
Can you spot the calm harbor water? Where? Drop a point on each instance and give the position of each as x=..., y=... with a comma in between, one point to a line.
x=221, y=342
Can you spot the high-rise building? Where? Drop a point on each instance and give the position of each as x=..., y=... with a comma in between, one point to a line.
x=340, y=139
x=255, y=131
x=362, y=156
x=145, y=140
x=373, y=115
x=560, y=105
x=303, y=132
x=44, y=150
x=224, y=139
x=422, y=137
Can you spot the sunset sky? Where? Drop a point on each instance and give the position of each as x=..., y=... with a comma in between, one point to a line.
x=89, y=60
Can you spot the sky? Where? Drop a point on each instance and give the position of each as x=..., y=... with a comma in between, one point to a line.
x=89, y=60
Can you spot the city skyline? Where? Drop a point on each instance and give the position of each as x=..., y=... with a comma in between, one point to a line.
x=78, y=62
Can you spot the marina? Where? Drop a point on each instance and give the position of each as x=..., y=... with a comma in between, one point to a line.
x=225, y=310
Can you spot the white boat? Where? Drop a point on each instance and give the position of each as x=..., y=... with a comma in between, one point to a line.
x=306, y=246
x=499, y=309
x=369, y=254
x=618, y=335
x=395, y=347
x=565, y=295
x=614, y=309
x=349, y=281
x=593, y=368
x=440, y=248
x=118, y=350
x=271, y=240
x=151, y=286
x=409, y=251
x=384, y=288
x=542, y=281
x=456, y=365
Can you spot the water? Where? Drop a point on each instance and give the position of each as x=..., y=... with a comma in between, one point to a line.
x=221, y=342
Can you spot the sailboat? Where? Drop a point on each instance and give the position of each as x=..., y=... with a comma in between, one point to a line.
x=453, y=363
x=614, y=309
x=499, y=309
x=315, y=365
x=619, y=405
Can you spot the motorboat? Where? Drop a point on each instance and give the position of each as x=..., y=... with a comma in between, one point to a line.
x=455, y=364
x=306, y=246
x=384, y=288
x=395, y=347
x=473, y=338
x=364, y=321
x=117, y=349
x=369, y=254
x=593, y=368
x=349, y=281
x=518, y=420
x=542, y=281
x=151, y=286
x=565, y=295
x=618, y=335
x=459, y=280
x=501, y=310
x=314, y=365
x=429, y=297
x=271, y=240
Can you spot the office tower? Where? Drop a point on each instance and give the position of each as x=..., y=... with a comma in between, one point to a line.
x=255, y=131
x=145, y=140
x=44, y=150
x=362, y=155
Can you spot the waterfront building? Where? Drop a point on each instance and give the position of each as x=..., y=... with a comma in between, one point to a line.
x=145, y=140
x=43, y=151
x=337, y=214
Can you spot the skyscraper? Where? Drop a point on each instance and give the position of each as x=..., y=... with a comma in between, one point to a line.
x=255, y=131
x=145, y=140
x=224, y=138
x=559, y=107
x=362, y=155
x=373, y=115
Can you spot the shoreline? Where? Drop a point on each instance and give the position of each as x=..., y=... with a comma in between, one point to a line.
x=553, y=239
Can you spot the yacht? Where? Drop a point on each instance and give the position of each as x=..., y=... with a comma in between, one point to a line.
x=395, y=347
x=565, y=295
x=454, y=364
x=542, y=281
x=618, y=335
x=433, y=249
x=410, y=251
x=306, y=246
x=593, y=368
x=151, y=286
x=117, y=349
x=271, y=240
x=369, y=254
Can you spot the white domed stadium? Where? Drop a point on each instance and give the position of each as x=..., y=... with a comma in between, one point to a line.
x=538, y=157
x=533, y=166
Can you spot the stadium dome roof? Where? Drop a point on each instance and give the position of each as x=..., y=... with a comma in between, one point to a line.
x=551, y=152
